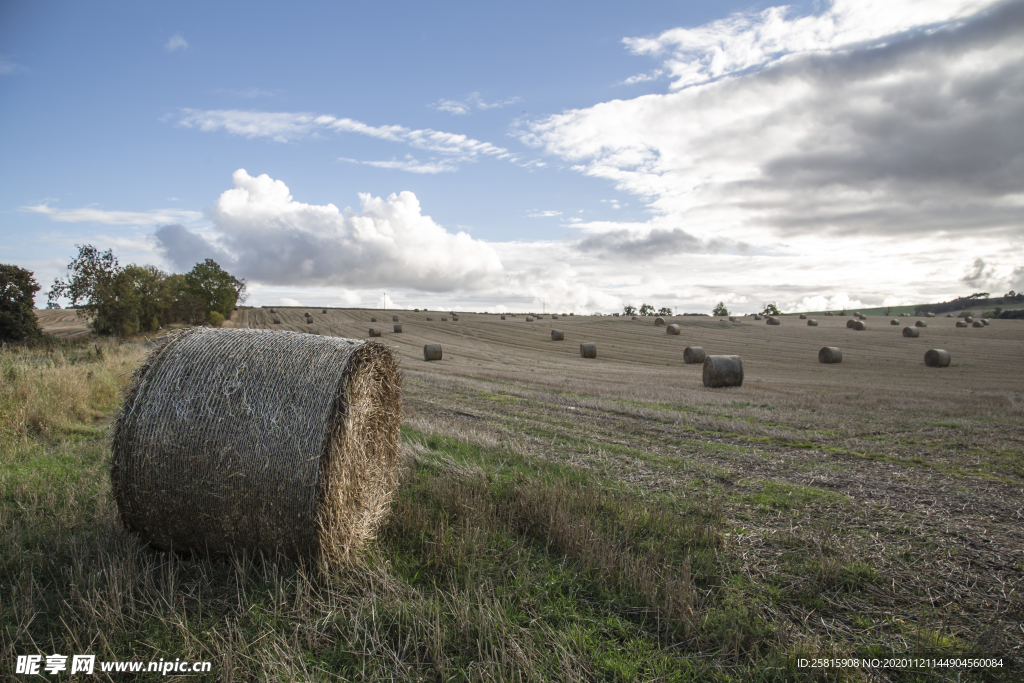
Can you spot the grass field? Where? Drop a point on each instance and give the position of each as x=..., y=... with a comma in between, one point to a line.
x=571, y=519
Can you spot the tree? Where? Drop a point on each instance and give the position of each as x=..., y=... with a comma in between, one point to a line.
x=219, y=290
x=664, y=310
x=97, y=282
x=771, y=309
x=630, y=309
x=18, y=289
x=720, y=310
x=646, y=309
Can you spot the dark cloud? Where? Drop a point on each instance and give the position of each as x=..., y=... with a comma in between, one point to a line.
x=626, y=244
x=184, y=248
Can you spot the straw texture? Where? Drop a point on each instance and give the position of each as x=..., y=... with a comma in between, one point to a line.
x=723, y=371
x=260, y=441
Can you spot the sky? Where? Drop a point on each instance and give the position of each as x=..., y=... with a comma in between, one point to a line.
x=567, y=157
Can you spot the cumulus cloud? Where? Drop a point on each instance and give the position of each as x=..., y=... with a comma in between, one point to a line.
x=469, y=103
x=544, y=214
x=94, y=215
x=176, y=42
x=268, y=237
x=919, y=130
x=837, y=302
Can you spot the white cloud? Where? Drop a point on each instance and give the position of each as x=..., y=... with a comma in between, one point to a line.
x=385, y=301
x=545, y=214
x=410, y=164
x=269, y=237
x=286, y=127
x=837, y=302
x=93, y=215
x=470, y=102
x=176, y=42
x=643, y=78
x=288, y=301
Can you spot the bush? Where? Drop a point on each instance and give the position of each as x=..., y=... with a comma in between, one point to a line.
x=216, y=319
x=18, y=289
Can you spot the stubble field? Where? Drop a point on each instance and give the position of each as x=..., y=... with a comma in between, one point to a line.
x=564, y=518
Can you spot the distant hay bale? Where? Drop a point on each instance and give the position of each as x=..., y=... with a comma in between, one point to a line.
x=830, y=354
x=733, y=319
x=811, y=322
x=723, y=371
x=911, y=332
x=555, y=317
x=803, y=316
x=659, y=321
x=757, y=316
x=444, y=318
x=634, y=317
x=860, y=325
x=969, y=319
x=557, y=335
x=937, y=358
x=950, y=315
x=894, y=321
x=961, y=323
x=772, y=320
x=828, y=313
x=375, y=332
x=588, y=350
x=529, y=318
x=398, y=328
x=324, y=311
x=929, y=314
x=977, y=323
x=856, y=314
x=373, y=320
x=455, y=318
x=986, y=321
x=673, y=329
x=849, y=323
x=693, y=355
x=272, y=310
x=314, y=330
x=394, y=318
x=258, y=441
x=921, y=323
x=431, y=352
x=502, y=317
x=429, y=319
x=277, y=321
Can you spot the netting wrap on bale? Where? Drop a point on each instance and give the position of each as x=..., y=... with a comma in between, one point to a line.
x=260, y=441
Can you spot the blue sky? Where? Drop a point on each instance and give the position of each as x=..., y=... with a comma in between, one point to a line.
x=590, y=154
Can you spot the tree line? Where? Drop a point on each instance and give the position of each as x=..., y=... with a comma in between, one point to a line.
x=121, y=300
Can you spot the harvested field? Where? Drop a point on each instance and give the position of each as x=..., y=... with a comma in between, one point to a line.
x=611, y=519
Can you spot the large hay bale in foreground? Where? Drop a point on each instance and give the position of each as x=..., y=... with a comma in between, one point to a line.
x=375, y=332
x=431, y=352
x=659, y=321
x=723, y=371
x=588, y=350
x=693, y=355
x=557, y=335
x=673, y=329
x=911, y=332
x=260, y=441
x=830, y=354
x=811, y=322
x=937, y=358
x=921, y=323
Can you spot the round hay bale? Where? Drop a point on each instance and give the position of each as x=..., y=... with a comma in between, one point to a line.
x=733, y=319
x=977, y=323
x=673, y=329
x=723, y=371
x=757, y=316
x=529, y=318
x=811, y=322
x=659, y=321
x=803, y=316
x=431, y=352
x=398, y=328
x=324, y=311
x=860, y=325
x=849, y=323
x=258, y=441
x=969, y=319
x=455, y=318
x=375, y=332
x=985, y=321
x=429, y=319
x=693, y=355
x=502, y=317
x=588, y=350
x=634, y=317
x=557, y=335
x=555, y=317
x=894, y=321
x=272, y=310
x=394, y=318
x=373, y=320
x=929, y=315
x=444, y=318
x=277, y=321
x=937, y=358
x=828, y=313
x=950, y=315
x=921, y=323
x=961, y=323
x=856, y=314
x=772, y=320
x=911, y=332
x=314, y=330
x=830, y=354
